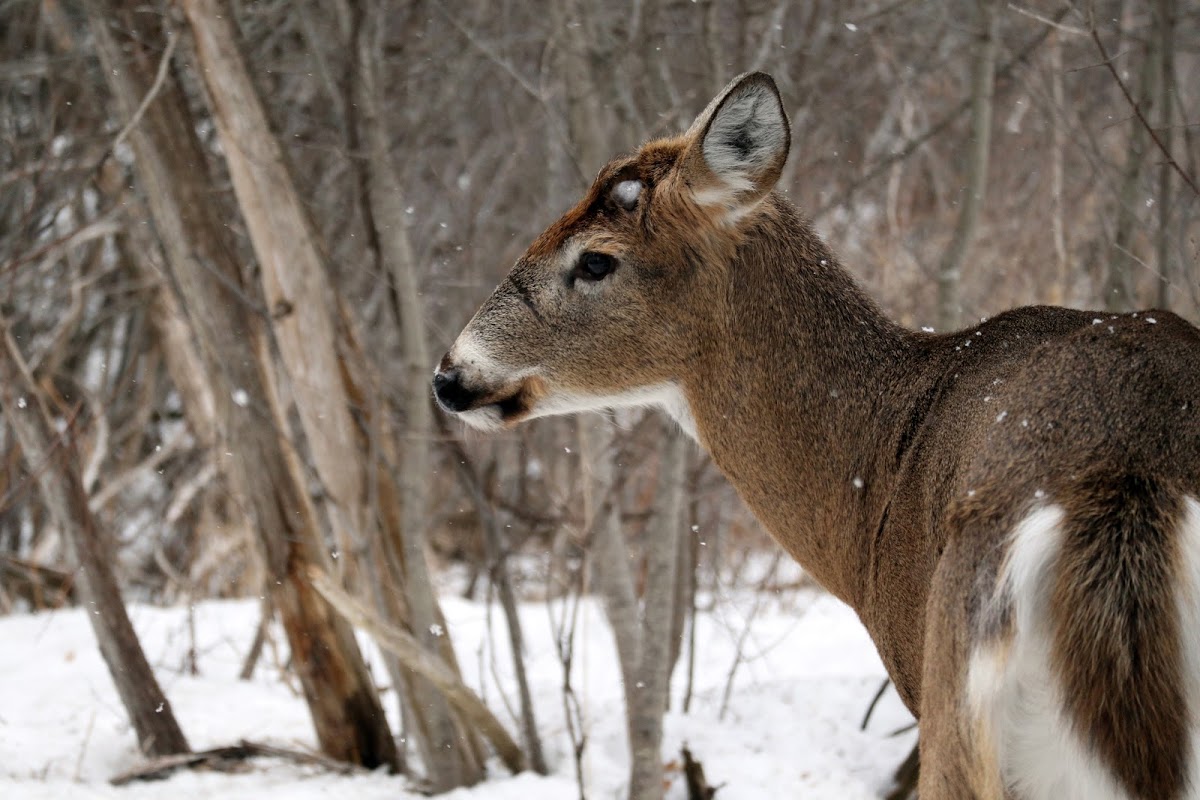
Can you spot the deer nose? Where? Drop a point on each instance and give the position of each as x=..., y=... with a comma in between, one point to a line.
x=452, y=395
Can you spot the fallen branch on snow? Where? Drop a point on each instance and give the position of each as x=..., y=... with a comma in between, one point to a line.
x=226, y=759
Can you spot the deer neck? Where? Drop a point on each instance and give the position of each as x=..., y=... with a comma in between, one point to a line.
x=791, y=398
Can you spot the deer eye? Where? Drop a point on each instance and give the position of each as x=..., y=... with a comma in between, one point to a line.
x=595, y=266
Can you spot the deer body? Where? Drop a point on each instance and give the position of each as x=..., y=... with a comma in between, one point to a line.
x=1011, y=509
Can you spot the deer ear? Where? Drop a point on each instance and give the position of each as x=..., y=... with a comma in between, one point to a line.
x=738, y=145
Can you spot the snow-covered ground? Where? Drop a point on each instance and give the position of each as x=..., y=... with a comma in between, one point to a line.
x=791, y=728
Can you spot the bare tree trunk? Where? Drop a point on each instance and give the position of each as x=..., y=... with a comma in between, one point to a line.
x=377, y=186
x=140, y=252
x=53, y=459
x=388, y=223
x=983, y=74
x=643, y=636
x=173, y=335
x=654, y=669
x=498, y=571
x=672, y=506
x=715, y=62
x=1164, y=23
x=1059, y=289
x=906, y=777
x=225, y=318
x=1118, y=288
x=610, y=557
x=330, y=372
x=497, y=562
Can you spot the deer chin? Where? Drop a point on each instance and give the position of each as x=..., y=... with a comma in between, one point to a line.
x=666, y=396
x=486, y=418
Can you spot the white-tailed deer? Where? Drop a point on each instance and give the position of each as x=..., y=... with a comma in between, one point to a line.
x=1011, y=509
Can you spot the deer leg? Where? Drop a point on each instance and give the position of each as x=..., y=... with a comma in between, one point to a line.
x=958, y=758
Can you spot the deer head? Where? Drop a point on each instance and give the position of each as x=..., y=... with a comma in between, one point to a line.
x=609, y=306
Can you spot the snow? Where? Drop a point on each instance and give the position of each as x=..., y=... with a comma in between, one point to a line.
x=807, y=674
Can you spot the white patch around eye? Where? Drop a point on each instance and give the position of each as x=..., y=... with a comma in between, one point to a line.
x=627, y=193
x=568, y=257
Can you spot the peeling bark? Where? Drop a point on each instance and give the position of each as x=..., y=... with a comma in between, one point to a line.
x=172, y=174
x=654, y=668
x=355, y=456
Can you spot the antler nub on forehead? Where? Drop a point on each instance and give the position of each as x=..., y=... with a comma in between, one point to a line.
x=627, y=192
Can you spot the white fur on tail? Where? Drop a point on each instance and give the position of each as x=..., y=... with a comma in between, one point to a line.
x=1188, y=595
x=1014, y=693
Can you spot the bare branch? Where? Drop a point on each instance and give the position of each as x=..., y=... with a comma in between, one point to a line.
x=159, y=77
x=1053, y=23
x=1107, y=62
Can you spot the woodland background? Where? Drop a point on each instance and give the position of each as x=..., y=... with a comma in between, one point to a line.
x=236, y=236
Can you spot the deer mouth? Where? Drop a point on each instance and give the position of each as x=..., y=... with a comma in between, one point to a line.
x=518, y=405
x=513, y=407
x=503, y=410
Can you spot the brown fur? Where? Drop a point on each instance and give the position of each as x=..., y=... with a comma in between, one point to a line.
x=1117, y=648
x=892, y=464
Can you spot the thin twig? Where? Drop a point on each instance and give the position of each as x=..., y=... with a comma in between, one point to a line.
x=87, y=738
x=110, y=490
x=564, y=629
x=266, y=612
x=1053, y=23
x=160, y=77
x=740, y=649
x=874, y=702
x=99, y=228
x=1107, y=62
